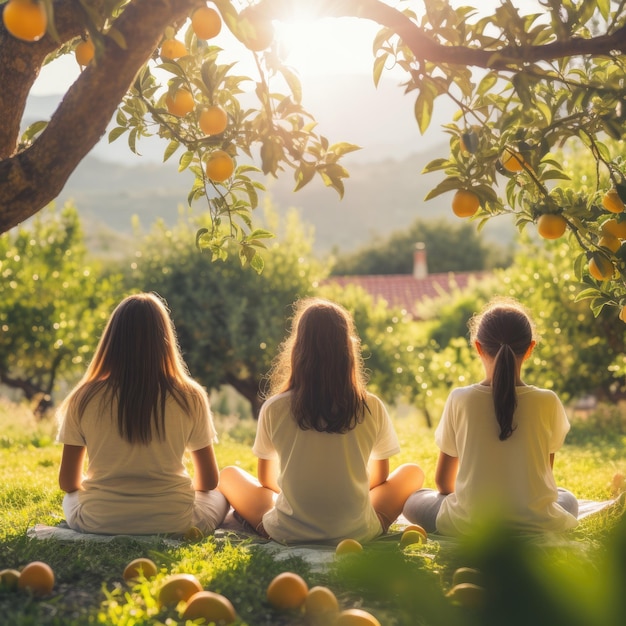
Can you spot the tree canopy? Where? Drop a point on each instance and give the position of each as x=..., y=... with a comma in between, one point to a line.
x=527, y=78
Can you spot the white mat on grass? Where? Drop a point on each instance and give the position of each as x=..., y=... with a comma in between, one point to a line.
x=232, y=528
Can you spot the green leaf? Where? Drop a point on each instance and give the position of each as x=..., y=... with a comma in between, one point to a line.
x=257, y=263
x=379, y=66
x=116, y=132
x=423, y=110
x=260, y=233
x=436, y=165
x=171, y=148
x=449, y=184
x=586, y=294
x=293, y=83
x=343, y=147
x=185, y=159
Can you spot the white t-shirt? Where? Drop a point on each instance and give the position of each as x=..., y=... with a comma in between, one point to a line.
x=135, y=488
x=323, y=477
x=509, y=480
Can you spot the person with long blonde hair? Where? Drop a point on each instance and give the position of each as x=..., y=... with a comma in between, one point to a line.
x=134, y=414
x=323, y=441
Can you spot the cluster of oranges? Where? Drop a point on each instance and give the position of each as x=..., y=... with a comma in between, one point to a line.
x=36, y=577
x=27, y=20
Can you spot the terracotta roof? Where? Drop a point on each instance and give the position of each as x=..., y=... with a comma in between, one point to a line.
x=404, y=290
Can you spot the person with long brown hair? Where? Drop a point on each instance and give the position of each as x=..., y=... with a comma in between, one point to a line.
x=323, y=441
x=497, y=441
x=134, y=414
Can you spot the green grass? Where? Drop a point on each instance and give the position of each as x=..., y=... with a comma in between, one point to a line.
x=574, y=579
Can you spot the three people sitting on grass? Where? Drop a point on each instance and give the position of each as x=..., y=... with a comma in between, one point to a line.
x=323, y=441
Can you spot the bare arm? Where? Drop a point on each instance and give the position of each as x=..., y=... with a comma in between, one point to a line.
x=445, y=474
x=267, y=473
x=71, y=470
x=205, y=470
x=378, y=471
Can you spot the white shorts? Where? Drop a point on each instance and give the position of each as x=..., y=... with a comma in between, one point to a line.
x=209, y=510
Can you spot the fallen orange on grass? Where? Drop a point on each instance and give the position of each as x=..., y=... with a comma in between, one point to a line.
x=140, y=567
x=356, y=617
x=321, y=605
x=287, y=591
x=178, y=587
x=210, y=606
x=37, y=577
x=8, y=579
x=347, y=546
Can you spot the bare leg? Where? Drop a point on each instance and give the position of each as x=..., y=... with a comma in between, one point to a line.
x=389, y=497
x=246, y=494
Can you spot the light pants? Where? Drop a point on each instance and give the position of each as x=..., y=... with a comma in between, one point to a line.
x=423, y=506
x=209, y=510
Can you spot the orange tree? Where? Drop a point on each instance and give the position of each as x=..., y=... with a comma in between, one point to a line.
x=54, y=303
x=526, y=79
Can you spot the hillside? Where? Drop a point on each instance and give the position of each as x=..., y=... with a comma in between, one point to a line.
x=384, y=193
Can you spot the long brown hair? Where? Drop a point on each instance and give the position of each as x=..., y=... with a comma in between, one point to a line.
x=505, y=331
x=320, y=362
x=138, y=364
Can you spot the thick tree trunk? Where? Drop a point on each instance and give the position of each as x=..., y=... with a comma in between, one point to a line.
x=249, y=389
x=30, y=179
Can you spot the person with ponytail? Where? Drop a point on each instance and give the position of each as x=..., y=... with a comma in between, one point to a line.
x=497, y=441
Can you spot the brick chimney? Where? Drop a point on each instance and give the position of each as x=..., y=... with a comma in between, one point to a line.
x=420, y=268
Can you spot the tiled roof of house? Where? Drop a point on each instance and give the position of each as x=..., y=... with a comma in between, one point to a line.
x=404, y=291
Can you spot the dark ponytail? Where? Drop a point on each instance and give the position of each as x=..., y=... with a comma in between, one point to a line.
x=505, y=331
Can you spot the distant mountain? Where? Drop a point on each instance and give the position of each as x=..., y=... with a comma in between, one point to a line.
x=385, y=191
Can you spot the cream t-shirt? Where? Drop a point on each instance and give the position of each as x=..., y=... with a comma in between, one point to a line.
x=510, y=481
x=323, y=477
x=137, y=489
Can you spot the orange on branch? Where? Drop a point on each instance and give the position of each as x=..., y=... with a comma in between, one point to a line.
x=206, y=23
x=610, y=243
x=512, y=161
x=213, y=120
x=25, y=19
x=551, y=226
x=219, y=166
x=465, y=203
x=84, y=52
x=180, y=103
x=614, y=228
x=287, y=591
x=173, y=49
x=257, y=30
x=600, y=267
x=612, y=202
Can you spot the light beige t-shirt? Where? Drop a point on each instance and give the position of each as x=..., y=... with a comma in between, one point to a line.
x=323, y=477
x=137, y=489
x=510, y=481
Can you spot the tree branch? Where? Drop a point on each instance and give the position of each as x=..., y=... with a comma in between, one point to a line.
x=424, y=47
x=34, y=177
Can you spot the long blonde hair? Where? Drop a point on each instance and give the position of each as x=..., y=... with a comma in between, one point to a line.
x=320, y=362
x=137, y=364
